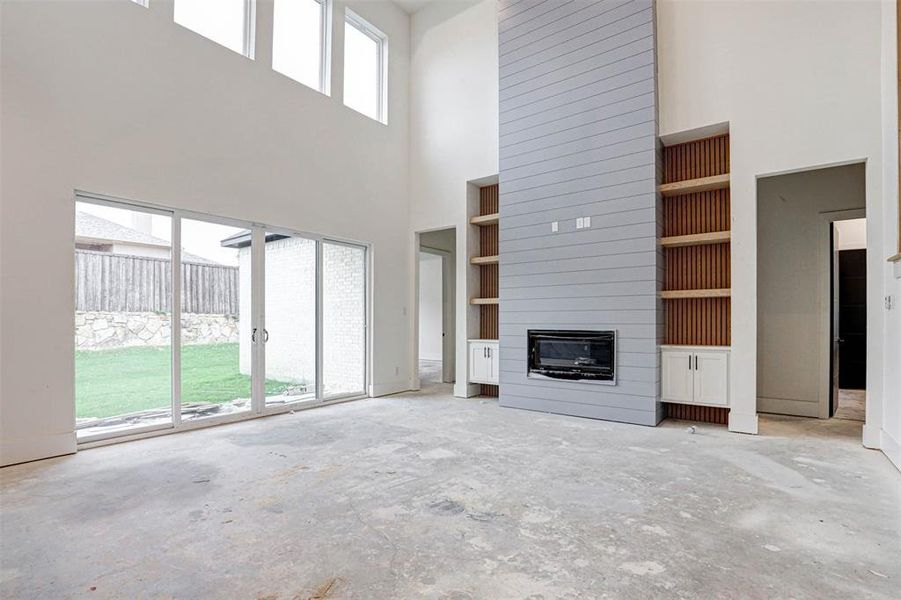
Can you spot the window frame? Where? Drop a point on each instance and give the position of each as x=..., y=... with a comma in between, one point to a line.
x=325, y=49
x=375, y=34
x=250, y=28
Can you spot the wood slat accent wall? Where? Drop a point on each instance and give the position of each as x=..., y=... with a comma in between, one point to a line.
x=488, y=199
x=703, y=212
x=695, y=159
x=697, y=321
x=488, y=274
x=488, y=240
x=698, y=267
x=488, y=390
x=704, y=414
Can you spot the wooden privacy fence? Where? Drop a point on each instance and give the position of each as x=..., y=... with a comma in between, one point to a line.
x=122, y=283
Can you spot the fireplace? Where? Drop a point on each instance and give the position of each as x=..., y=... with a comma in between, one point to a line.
x=573, y=355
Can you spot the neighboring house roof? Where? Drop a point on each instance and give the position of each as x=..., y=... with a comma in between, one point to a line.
x=94, y=228
x=97, y=230
x=242, y=239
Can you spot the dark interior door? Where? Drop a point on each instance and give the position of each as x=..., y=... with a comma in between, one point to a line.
x=852, y=319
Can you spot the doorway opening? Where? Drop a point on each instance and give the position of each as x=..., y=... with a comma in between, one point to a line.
x=849, y=320
x=436, y=313
x=802, y=239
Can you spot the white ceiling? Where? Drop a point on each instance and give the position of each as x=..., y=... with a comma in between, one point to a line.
x=411, y=6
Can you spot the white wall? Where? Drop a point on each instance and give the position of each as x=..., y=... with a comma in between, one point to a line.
x=453, y=129
x=889, y=438
x=800, y=85
x=430, y=306
x=114, y=98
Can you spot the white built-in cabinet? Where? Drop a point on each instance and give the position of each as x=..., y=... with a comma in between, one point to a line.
x=483, y=363
x=695, y=375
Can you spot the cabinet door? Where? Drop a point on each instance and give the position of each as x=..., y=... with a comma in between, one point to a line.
x=479, y=363
x=494, y=366
x=712, y=378
x=678, y=380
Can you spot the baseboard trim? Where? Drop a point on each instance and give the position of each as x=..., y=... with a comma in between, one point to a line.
x=788, y=406
x=742, y=422
x=38, y=448
x=891, y=448
x=386, y=389
x=872, y=437
x=466, y=390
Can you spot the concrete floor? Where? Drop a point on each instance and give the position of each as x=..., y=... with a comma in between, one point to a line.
x=430, y=371
x=427, y=496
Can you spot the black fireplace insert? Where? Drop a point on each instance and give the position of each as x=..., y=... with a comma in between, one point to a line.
x=573, y=355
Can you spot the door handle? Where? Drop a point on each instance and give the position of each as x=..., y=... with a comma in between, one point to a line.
x=689, y=362
x=696, y=362
x=253, y=335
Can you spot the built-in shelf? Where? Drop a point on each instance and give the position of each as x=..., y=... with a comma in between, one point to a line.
x=483, y=301
x=697, y=239
x=483, y=260
x=690, y=186
x=484, y=220
x=711, y=293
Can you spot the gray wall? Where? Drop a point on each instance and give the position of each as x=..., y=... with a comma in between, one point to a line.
x=578, y=123
x=790, y=230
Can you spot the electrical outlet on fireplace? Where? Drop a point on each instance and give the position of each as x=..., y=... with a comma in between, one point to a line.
x=555, y=226
x=580, y=223
x=586, y=222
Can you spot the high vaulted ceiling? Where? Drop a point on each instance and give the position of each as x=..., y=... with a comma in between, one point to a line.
x=411, y=6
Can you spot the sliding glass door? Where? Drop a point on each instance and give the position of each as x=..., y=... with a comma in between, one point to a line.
x=123, y=312
x=216, y=358
x=289, y=331
x=183, y=319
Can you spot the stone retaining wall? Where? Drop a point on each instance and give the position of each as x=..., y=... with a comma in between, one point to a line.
x=96, y=330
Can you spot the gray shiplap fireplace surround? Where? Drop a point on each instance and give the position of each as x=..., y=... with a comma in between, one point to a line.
x=578, y=146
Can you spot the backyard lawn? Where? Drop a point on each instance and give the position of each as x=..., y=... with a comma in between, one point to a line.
x=124, y=380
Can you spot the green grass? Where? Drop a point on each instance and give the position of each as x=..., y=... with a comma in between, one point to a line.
x=124, y=380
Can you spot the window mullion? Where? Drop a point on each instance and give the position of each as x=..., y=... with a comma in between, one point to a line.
x=175, y=318
x=249, y=27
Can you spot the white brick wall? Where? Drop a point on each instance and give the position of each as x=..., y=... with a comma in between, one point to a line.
x=290, y=310
x=343, y=319
x=290, y=314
